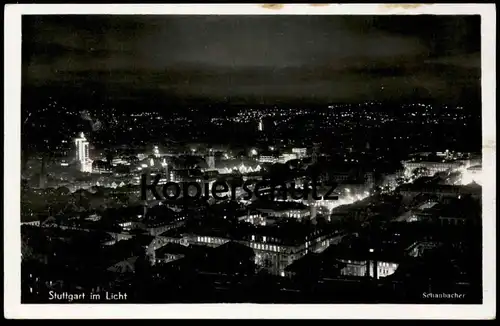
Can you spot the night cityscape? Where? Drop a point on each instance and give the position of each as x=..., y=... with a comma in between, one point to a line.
x=358, y=139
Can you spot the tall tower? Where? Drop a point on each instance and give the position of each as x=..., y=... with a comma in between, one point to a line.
x=82, y=153
x=261, y=125
x=211, y=160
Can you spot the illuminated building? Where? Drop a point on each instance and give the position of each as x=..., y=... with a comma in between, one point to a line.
x=156, y=151
x=242, y=168
x=155, y=228
x=344, y=202
x=297, y=213
x=82, y=153
x=268, y=159
x=185, y=175
x=119, y=161
x=287, y=157
x=300, y=152
x=371, y=268
x=442, y=162
x=472, y=174
x=431, y=167
x=447, y=154
x=274, y=253
x=32, y=223
x=268, y=216
x=210, y=241
x=261, y=125
x=253, y=218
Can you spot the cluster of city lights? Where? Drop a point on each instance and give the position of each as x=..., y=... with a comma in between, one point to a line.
x=344, y=200
x=242, y=168
x=469, y=177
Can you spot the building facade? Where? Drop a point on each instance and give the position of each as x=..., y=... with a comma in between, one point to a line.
x=82, y=154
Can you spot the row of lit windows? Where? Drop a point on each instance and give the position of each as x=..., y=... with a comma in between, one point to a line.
x=260, y=246
x=211, y=240
x=385, y=271
x=299, y=215
x=385, y=264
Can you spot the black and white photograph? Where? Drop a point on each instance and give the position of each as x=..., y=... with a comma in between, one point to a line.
x=264, y=158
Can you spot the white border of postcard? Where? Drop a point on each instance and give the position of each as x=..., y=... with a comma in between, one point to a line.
x=12, y=247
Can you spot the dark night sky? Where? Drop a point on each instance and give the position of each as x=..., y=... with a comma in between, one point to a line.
x=324, y=58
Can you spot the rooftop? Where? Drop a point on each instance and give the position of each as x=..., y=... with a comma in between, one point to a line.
x=172, y=248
